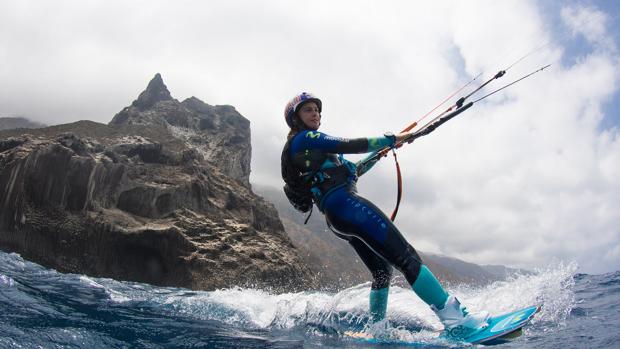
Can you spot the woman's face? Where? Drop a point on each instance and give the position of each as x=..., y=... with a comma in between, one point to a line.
x=310, y=115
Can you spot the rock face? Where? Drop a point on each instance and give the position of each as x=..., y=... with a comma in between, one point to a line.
x=219, y=133
x=160, y=195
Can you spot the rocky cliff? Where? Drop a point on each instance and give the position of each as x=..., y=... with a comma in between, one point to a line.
x=219, y=133
x=160, y=195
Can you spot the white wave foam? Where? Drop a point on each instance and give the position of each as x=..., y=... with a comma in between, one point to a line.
x=114, y=295
x=6, y=281
x=551, y=287
x=409, y=319
x=90, y=282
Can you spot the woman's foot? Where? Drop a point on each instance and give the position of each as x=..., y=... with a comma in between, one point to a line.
x=458, y=322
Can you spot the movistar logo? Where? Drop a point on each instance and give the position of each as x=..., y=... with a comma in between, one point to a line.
x=311, y=134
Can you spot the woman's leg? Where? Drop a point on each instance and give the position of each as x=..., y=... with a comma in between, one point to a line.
x=352, y=215
x=381, y=271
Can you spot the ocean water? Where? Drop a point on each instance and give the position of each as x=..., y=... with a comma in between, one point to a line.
x=41, y=308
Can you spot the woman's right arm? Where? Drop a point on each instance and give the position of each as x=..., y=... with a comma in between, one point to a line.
x=369, y=164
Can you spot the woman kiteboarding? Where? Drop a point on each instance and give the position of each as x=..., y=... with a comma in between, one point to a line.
x=315, y=172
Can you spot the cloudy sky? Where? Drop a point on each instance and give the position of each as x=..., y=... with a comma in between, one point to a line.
x=528, y=177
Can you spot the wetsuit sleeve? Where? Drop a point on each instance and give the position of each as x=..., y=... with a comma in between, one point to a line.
x=361, y=169
x=323, y=142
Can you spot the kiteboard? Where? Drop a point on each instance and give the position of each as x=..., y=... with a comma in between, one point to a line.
x=501, y=328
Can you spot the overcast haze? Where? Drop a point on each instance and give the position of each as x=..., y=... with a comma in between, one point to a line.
x=526, y=178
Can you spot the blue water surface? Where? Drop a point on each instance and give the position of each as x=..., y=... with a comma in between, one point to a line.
x=41, y=308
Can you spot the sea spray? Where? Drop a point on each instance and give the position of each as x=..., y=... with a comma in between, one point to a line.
x=6, y=281
x=77, y=310
x=551, y=287
x=408, y=317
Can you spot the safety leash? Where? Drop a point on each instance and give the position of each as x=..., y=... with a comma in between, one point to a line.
x=400, y=186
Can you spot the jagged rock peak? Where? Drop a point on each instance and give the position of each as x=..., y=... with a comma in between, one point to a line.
x=196, y=104
x=156, y=91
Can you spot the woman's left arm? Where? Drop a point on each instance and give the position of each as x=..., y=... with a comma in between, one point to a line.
x=337, y=145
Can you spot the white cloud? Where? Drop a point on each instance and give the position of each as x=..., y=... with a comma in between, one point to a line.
x=589, y=22
x=527, y=179
x=525, y=176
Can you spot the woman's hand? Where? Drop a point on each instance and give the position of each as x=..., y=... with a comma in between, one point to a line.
x=403, y=136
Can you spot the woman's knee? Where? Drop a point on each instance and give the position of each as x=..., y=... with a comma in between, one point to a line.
x=382, y=277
